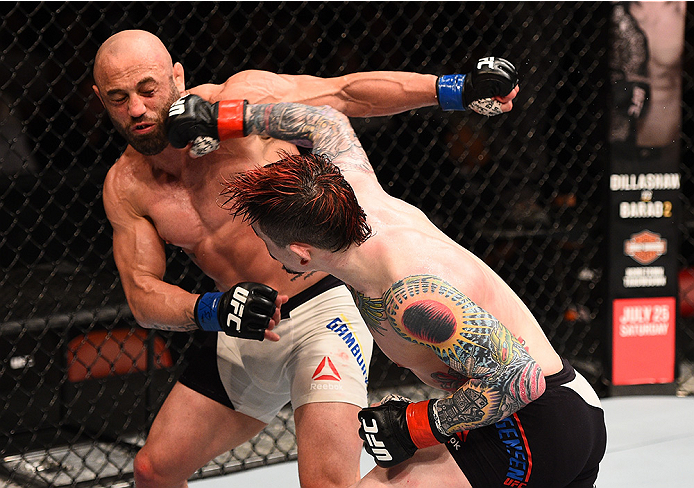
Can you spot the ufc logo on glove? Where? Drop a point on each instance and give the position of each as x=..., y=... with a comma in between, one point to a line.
x=243, y=311
x=488, y=62
x=379, y=450
x=237, y=305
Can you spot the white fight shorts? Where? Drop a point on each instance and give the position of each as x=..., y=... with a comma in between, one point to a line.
x=323, y=355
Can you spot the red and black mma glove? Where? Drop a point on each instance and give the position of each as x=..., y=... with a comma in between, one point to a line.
x=204, y=124
x=491, y=77
x=244, y=311
x=394, y=430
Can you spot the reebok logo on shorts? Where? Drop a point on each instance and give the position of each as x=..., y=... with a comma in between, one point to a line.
x=326, y=370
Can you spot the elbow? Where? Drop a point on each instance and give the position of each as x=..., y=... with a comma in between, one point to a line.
x=530, y=383
x=537, y=382
x=145, y=324
x=139, y=297
x=141, y=318
x=139, y=310
x=335, y=114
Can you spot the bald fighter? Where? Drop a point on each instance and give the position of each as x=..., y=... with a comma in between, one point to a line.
x=159, y=193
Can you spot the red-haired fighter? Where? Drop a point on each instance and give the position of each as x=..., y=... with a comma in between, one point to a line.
x=516, y=413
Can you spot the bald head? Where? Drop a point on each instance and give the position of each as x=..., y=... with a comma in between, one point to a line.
x=137, y=83
x=130, y=47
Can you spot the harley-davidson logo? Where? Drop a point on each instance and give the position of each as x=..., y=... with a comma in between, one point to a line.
x=645, y=247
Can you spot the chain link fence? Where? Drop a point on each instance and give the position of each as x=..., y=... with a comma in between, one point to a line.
x=80, y=382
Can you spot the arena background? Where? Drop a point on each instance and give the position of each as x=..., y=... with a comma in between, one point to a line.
x=80, y=382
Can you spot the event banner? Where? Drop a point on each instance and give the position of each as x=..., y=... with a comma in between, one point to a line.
x=647, y=40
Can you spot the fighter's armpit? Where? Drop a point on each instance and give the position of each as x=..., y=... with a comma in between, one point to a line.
x=371, y=311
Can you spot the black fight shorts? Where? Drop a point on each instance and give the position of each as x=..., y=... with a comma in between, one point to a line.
x=557, y=441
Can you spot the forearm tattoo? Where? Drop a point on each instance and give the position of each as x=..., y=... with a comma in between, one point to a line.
x=503, y=377
x=325, y=128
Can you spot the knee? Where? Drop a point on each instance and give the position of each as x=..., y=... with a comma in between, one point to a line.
x=149, y=475
x=143, y=470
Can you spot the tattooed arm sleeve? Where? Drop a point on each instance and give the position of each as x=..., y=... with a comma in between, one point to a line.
x=503, y=376
x=327, y=130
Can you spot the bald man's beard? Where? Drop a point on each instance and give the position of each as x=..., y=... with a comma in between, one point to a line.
x=156, y=141
x=149, y=144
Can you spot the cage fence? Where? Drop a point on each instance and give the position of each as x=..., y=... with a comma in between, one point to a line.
x=80, y=382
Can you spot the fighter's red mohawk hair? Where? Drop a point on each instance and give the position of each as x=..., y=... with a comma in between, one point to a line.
x=300, y=198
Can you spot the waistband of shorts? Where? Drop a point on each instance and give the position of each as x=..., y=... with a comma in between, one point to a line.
x=327, y=283
x=567, y=374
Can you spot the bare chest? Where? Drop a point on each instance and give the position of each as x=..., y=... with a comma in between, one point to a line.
x=224, y=248
x=185, y=216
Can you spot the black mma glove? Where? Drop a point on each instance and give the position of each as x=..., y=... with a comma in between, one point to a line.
x=243, y=311
x=394, y=430
x=204, y=124
x=491, y=77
